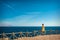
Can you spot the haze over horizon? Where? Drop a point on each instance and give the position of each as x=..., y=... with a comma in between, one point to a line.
x=30, y=13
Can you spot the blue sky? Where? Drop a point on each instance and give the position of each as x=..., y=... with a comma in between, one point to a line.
x=30, y=12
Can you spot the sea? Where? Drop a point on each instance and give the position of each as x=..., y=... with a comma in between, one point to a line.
x=10, y=29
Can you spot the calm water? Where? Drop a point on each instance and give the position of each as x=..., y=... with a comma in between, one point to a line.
x=25, y=29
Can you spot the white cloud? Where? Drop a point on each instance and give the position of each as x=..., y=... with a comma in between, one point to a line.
x=7, y=5
x=29, y=23
x=17, y=21
x=28, y=20
x=33, y=13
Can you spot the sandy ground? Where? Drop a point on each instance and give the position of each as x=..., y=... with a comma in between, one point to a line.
x=43, y=37
x=40, y=37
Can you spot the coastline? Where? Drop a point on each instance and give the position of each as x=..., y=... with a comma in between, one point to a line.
x=39, y=37
x=42, y=37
